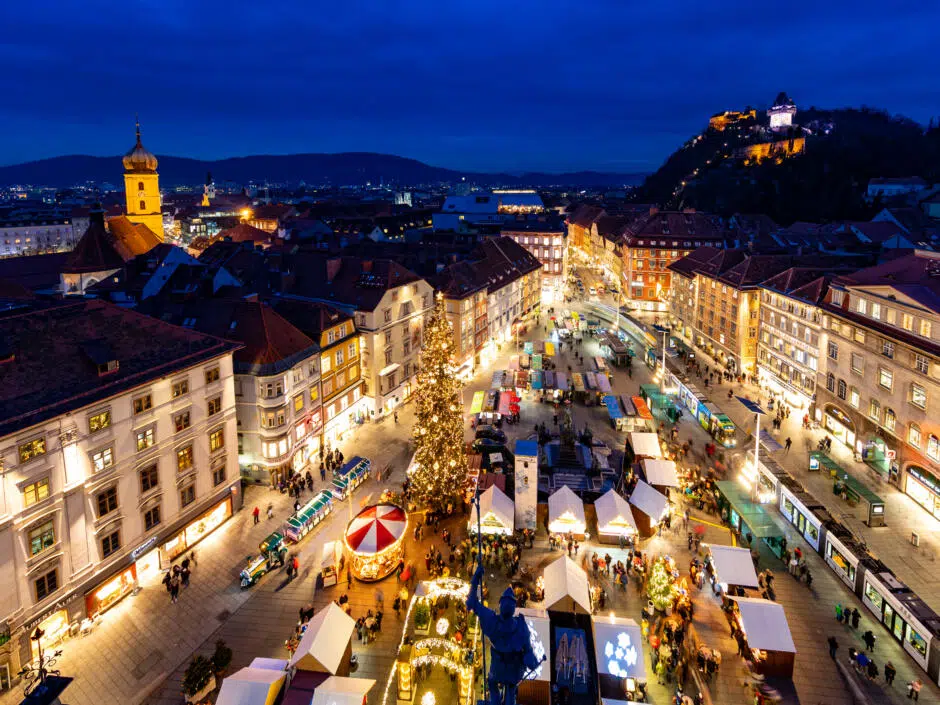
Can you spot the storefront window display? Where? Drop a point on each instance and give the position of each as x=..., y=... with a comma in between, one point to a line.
x=106, y=595
x=55, y=627
x=924, y=488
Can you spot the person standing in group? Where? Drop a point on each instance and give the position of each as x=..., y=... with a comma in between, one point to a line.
x=833, y=647
x=855, y=617
x=869, y=639
x=174, y=589
x=256, y=515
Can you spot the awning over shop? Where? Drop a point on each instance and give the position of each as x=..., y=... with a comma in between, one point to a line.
x=549, y=348
x=765, y=625
x=537, y=361
x=566, y=587
x=590, y=380
x=565, y=512
x=337, y=690
x=661, y=473
x=323, y=646
x=649, y=501
x=497, y=381
x=476, y=406
x=561, y=381
x=614, y=516
x=505, y=399
x=497, y=513
x=733, y=566
x=645, y=445
x=618, y=646
x=603, y=384
x=535, y=379
x=548, y=379
x=759, y=521
x=251, y=686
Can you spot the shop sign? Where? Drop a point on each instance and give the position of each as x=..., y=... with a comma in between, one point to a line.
x=60, y=605
x=891, y=454
x=839, y=416
x=139, y=551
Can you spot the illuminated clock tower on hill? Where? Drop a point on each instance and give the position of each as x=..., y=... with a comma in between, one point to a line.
x=142, y=188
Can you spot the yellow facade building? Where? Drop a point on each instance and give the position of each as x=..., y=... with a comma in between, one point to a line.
x=142, y=188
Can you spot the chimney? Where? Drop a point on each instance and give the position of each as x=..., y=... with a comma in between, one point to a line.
x=332, y=268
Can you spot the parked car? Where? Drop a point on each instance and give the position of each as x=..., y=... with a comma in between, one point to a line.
x=486, y=445
x=593, y=291
x=491, y=433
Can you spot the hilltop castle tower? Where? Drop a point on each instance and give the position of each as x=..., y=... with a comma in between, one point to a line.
x=142, y=188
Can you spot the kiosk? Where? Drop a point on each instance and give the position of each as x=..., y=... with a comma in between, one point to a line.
x=768, y=635
x=497, y=513
x=251, y=686
x=566, y=587
x=615, y=520
x=566, y=513
x=731, y=567
x=326, y=644
x=652, y=508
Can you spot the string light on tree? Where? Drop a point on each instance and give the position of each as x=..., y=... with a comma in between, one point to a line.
x=440, y=458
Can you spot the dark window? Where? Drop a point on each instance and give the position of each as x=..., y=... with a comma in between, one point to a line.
x=110, y=544
x=218, y=475
x=107, y=501
x=140, y=185
x=215, y=406
x=212, y=375
x=149, y=478
x=151, y=518
x=46, y=584
x=143, y=205
x=187, y=495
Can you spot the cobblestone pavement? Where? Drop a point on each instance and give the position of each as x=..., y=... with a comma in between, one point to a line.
x=139, y=651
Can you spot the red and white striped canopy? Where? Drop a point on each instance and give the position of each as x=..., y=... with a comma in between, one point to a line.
x=376, y=528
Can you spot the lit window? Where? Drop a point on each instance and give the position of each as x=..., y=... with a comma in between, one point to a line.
x=876, y=311
x=933, y=447
x=103, y=459
x=36, y=492
x=99, y=421
x=145, y=438
x=921, y=363
x=913, y=435
x=854, y=397
x=925, y=328
x=184, y=458
x=216, y=440
x=41, y=538
x=299, y=403
x=32, y=449
x=861, y=306
x=325, y=364
x=918, y=396
x=907, y=321
x=891, y=419
x=885, y=378
x=874, y=410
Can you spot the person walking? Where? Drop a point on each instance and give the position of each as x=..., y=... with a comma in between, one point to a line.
x=295, y=564
x=788, y=443
x=270, y=510
x=174, y=589
x=913, y=689
x=833, y=647
x=855, y=617
x=890, y=673
x=869, y=639
x=256, y=515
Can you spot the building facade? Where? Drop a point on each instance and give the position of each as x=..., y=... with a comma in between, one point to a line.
x=117, y=457
x=466, y=306
x=879, y=377
x=36, y=235
x=547, y=241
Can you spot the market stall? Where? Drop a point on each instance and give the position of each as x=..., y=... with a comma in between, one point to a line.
x=251, y=686
x=661, y=474
x=566, y=587
x=603, y=383
x=618, y=649
x=497, y=513
x=652, y=507
x=767, y=633
x=643, y=445
x=730, y=567
x=331, y=564
x=273, y=664
x=614, y=412
x=566, y=513
x=326, y=645
x=337, y=690
x=615, y=522
x=374, y=541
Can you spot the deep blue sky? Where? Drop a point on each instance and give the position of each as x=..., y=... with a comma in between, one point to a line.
x=613, y=85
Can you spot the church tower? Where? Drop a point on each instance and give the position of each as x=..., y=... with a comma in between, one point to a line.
x=208, y=191
x=142, y=188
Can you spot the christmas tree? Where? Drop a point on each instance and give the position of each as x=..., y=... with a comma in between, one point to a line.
x=660, y=586
x=440, y=455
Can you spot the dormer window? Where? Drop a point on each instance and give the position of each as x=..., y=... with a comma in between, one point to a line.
x=102, y=356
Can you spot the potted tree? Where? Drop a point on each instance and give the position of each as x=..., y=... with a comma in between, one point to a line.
x=221, y=658
x=422, y=618
x=198, y=680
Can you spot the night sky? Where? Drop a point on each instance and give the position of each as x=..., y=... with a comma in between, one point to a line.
x=613, y=85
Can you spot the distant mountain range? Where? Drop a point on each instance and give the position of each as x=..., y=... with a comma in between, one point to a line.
x=342, y=169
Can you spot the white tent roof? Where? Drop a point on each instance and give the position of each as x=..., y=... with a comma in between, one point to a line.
x=765, y=625
x=661, y=472
x=646, y=444
x=272, y=664
x=323, y=645
x=564, y=579
x=251, y=686
x=618, y=646
x=649, y=501
x=734, y=565
x=564, y=501
x=612, y=509
x=495, y=500
x=337, y=690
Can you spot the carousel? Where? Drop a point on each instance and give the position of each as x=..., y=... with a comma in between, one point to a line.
x=374, y=541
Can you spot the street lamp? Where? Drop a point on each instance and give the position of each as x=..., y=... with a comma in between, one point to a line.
x=43, y=685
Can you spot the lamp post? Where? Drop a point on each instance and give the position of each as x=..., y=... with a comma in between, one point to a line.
x=43, y=685
x=662, y=381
